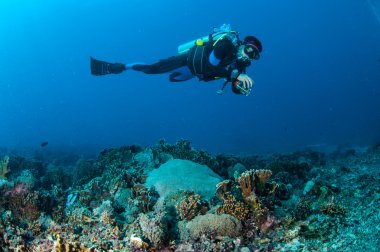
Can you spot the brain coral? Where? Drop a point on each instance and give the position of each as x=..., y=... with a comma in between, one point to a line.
x=210, y=224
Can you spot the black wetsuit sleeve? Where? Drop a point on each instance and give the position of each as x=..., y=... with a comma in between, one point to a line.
x=223, y=49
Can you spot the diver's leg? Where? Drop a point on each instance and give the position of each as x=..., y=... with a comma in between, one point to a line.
x=99, y=67
x=163, y=66
x=181, y=74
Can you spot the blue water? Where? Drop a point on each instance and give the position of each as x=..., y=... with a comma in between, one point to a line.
x=317, y=82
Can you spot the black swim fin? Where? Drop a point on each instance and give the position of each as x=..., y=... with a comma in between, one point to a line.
x=99, y=67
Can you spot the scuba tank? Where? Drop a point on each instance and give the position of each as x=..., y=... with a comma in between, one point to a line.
x=218, y=33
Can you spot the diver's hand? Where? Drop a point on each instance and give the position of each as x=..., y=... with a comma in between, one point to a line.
x=246, y=81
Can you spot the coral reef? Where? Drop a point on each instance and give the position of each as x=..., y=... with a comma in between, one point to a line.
x=301, y=201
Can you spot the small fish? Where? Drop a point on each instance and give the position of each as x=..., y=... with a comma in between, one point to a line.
x=44, y=144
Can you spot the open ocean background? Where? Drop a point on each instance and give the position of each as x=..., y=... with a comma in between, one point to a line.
x=317, y=82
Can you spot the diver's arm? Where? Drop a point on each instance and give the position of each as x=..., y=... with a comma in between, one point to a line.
x=222, y=50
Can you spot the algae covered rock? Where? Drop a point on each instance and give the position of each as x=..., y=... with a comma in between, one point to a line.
x=183, y=175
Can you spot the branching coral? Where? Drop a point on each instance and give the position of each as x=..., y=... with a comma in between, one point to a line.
x=253, y=181
x=252, y=184
x=247, y=183
x=61, y=245
x=223, y=188
x=263, y=175
x=191, y=206
x=233, y=207
x=4, y=167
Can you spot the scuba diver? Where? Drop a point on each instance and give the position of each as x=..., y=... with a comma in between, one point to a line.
x=219, y=55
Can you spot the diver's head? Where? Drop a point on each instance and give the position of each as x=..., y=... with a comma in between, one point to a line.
x=249, y=50
x=255, y=43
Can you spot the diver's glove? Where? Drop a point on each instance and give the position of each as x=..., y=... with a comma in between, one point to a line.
x=116, y=68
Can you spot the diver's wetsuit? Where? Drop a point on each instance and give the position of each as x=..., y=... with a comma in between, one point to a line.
x=197, y=63
x=163, y=66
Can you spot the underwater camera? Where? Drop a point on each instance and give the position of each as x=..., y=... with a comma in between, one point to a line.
x=239, y=85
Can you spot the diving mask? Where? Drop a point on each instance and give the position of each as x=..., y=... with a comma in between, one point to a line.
x=247, y=53
x=252, y=51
